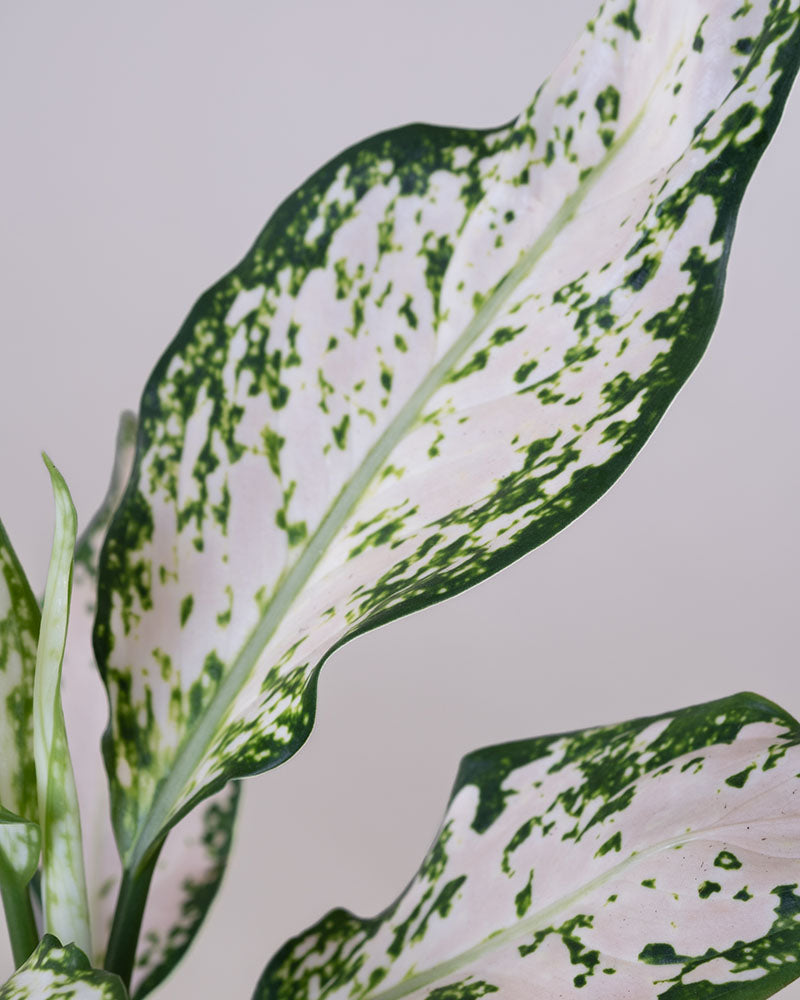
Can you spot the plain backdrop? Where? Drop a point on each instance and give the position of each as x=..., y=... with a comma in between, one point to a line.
x=143, y=147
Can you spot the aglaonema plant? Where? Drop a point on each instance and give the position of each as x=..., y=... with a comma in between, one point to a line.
x=441, y=350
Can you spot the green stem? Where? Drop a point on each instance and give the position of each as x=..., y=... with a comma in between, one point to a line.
x=19, y=916
x=128, y=916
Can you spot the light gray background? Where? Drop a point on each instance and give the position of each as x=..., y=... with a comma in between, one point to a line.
x=143, y=147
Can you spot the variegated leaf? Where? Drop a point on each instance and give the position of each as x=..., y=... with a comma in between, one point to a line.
x=65, y=902
x=20, y=848
x=185, y=882
x=19, y=636
x=20, y=835
x=442, y=348
x=657, y=858
x=192, y=862
x=85, y=706
x=20, y=844
x=54, y=972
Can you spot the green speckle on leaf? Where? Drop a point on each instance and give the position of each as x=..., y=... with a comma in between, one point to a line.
x=614, y=843
x=186, y=608
x=340, y=432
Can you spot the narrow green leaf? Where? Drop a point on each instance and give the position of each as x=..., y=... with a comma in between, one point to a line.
x=19, y=635
x=624, y=860
x=66, y=909
x=55, y=972
x=440, y=351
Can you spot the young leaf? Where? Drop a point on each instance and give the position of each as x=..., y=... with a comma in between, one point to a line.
x=659, y=857
x=54, y=971
x=19, y=636
x=440, y=351
x=85, y=705
x=66, y=909
x=192, y=862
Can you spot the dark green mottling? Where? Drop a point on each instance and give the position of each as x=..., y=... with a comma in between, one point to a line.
x=727, y=860
x=186, y=608
x=19, y=637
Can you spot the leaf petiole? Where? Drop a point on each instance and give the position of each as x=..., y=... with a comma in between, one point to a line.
x=128, y=915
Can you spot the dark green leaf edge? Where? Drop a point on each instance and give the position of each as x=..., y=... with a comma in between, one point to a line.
x=63, y=960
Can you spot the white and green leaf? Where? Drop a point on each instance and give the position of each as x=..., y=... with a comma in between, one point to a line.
x=55, y=972
x=85, y=705
x=65, y=903
x=19, y=636
x=20, y=849
x=656, y=858
x=186, y=879
x=20, y=836
x=440, y=351
x=20, y=846
x=192, y=862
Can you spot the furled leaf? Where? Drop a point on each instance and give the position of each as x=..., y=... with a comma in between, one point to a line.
x=440, y=351
x=59, y=972
x=656, y=858
x=19, y=635
x=191, y=864
x=66, y=909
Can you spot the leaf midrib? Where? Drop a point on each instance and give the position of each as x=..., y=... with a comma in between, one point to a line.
x=198, y=742
x=538, y=921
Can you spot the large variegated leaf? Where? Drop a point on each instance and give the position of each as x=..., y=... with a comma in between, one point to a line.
x=54, y=972
x=19, y=636
x=441, y=350
x=192, y=862
x=657, y=858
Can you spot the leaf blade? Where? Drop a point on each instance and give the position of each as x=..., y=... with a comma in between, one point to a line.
x=521, y=889
x=245, y=699
x=58, y=971
x=19, y=637
x=65, y=902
